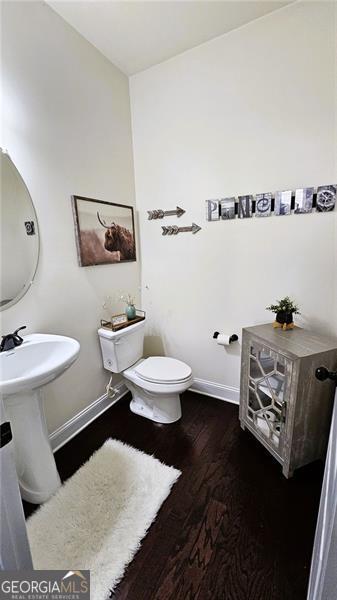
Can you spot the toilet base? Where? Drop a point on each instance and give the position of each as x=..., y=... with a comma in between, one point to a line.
x=160, y=408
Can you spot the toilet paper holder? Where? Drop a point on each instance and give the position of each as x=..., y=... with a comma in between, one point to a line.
x=233, y=337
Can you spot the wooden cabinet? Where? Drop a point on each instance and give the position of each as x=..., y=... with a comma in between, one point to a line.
x=281, y=402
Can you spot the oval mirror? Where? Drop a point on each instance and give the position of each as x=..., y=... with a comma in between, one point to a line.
x=19, y=235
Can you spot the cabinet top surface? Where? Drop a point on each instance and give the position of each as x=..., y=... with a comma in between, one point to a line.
x=299, y=342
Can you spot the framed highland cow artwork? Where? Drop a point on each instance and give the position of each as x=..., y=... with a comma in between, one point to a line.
x=105, y=232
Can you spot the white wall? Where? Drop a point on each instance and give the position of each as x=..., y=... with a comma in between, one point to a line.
x=335, y=165
x=335, y=271
x=251, y=111
x=67, y=128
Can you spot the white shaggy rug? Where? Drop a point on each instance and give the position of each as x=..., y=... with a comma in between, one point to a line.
x=98, y=518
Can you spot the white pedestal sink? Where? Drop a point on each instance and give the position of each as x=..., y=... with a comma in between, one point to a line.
x=23, y=371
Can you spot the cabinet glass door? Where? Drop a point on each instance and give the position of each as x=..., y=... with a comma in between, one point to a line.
x=268, y=373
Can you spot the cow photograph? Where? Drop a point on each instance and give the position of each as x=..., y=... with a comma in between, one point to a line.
x=105, y=232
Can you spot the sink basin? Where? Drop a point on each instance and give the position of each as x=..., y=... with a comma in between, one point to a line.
x=40, y=359
x=23, y=372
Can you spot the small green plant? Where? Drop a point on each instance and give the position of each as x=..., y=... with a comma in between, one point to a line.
x=128, y=299
x=286, y=305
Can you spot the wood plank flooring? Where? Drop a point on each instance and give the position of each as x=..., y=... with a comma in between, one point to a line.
x=233, y=528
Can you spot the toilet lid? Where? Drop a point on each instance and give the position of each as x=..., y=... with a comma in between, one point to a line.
x=161, y=369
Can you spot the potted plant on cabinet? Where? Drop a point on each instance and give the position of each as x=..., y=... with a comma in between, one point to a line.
x=285, y=310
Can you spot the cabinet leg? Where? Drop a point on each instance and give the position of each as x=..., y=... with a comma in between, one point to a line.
x=287, y=472
x=242, y=425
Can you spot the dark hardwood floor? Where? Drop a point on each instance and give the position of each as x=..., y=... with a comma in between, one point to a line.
x=233, y=528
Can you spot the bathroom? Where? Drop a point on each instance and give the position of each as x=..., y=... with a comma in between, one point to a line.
x=236, y=98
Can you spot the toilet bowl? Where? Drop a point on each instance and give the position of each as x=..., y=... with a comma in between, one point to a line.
x=155, y=382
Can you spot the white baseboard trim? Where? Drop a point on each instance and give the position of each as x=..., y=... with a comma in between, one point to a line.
x=68, y=430
x=216, y=390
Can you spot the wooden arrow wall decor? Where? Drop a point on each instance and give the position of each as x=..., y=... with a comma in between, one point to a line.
x=174, y=229
x=160, y=214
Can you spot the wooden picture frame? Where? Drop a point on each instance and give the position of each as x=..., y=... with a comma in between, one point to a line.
x=104, y=232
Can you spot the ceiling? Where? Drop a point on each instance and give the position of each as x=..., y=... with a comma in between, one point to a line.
x=135, y=35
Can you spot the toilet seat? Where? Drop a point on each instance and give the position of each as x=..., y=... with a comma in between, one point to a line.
x=162, y=369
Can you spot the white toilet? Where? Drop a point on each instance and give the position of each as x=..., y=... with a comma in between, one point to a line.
x=155, y=382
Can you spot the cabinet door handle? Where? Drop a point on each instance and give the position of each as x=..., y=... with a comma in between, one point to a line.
x=283, y=412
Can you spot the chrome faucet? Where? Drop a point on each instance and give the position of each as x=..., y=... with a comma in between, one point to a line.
x=11, y=340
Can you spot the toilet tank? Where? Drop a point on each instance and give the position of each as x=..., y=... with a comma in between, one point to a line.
x=121, y=349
